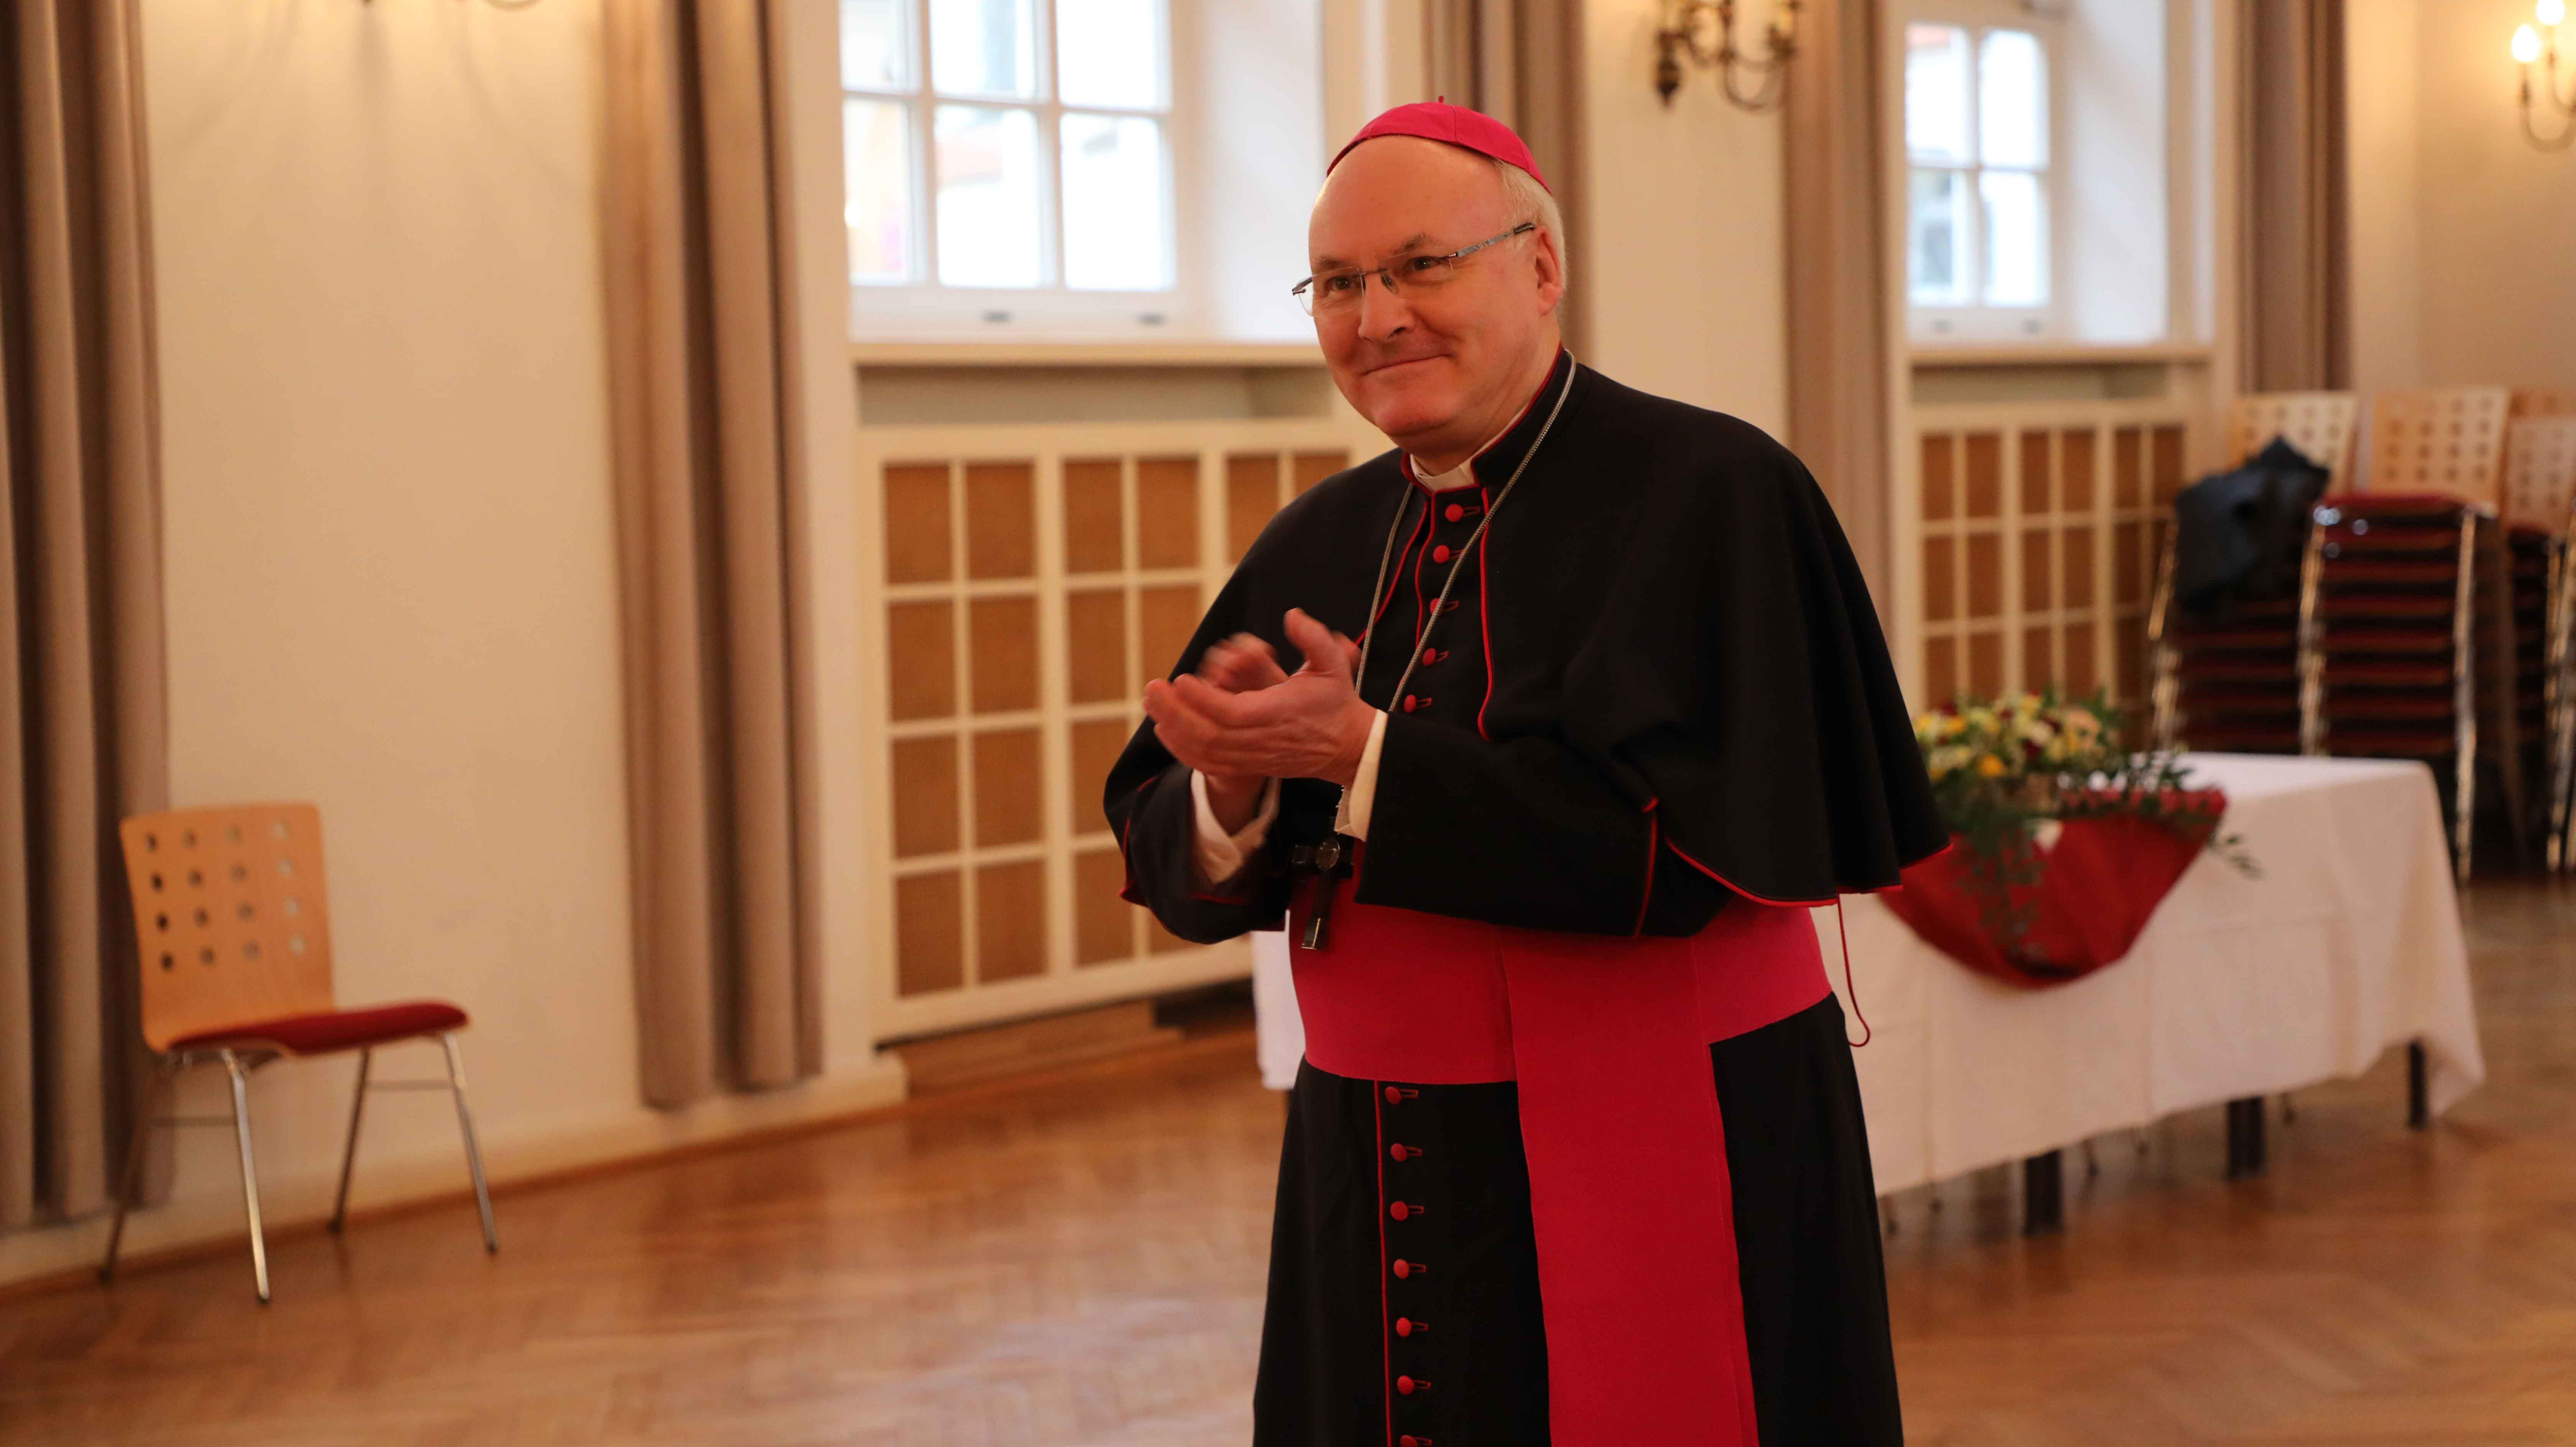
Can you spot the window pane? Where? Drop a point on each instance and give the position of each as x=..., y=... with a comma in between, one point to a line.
x=984, y=47
x=1109, y=53
x=1114, y=228
x=988, y=197
x=1936, y=93
x=2012, y=99
x=873, y=53
x=2016, y=228
x=876, y=149
x=1935, y=240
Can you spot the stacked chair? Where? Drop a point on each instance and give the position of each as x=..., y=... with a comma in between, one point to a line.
x=2403, y=583
x=2233, y=684
x=2540, y=491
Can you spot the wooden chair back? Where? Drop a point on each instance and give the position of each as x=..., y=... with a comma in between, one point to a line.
x=2447, y=441
x=230, y=914
x=2540, y=473
x=2321, y=425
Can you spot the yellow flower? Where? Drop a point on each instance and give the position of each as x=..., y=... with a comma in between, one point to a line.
x=1989, y=767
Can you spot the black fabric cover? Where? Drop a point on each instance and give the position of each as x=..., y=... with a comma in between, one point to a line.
x=2239, y=535
x=1661, y=668
x=1806, y=1236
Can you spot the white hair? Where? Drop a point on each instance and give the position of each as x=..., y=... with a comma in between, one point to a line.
x=1531, y=201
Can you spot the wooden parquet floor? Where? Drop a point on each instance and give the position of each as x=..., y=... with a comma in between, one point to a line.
x=1079, y=1264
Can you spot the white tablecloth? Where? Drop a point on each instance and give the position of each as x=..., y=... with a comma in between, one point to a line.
x=2347, y=944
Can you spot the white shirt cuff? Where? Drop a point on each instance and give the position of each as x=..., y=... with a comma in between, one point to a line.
x=1361, y=796
x=1216, y=856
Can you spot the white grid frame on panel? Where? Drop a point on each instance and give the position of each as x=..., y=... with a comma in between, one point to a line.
x=1046, y=449
x=2008, y=425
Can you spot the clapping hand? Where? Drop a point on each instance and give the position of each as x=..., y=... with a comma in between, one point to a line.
x=1242, y=719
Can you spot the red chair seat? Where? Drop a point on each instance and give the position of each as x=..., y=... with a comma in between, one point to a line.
x=334, y=1029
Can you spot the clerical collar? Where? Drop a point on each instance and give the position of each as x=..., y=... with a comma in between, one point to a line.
x=1464, y=474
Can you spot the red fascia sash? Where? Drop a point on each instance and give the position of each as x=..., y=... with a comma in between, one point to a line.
x=1608, y=1040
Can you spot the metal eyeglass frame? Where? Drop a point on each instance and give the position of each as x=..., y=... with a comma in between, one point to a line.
x=1308, y=298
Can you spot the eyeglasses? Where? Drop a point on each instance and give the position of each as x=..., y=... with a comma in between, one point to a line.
x=1334, y=291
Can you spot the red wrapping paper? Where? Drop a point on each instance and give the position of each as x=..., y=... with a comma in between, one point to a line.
x=2095, y=893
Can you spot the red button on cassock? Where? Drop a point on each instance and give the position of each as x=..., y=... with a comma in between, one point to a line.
x=1393, y=1095
x=1405, y=1268
x=1409, y=1440
x=1408, y=1386
x=1454, y=512
x=1440, y=554
x=1411, y=703
x=1407, y=1326
x=1432, y=655
x=1400, y=1210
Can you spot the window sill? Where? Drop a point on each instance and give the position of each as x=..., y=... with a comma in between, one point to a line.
x=2056, y=354
x=1084, y=354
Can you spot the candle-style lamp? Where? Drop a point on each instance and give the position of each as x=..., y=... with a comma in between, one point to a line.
x=1703, y=32
x=2540, y=43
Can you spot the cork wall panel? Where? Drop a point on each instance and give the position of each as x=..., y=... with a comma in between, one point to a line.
x=1985, y=664
x=2076, y=464
x=1095, y=629
x=1010, y=787
x=1094, y=516
x=916, y=523
x=1001, y=520
x=1985, y=475
x=2035, y=490
x=2128, y=468
x=1940, y=672
x=2037, y=569
x=1104, y=925
x=1305, y=469
x=1096, y=744
x=2078, y=554
x=1002, y=636
x=1940, y=578
x=1169, y=615
x=2080, y=672
x=925, y=796
x=1985, y=575
x=1010, y=921
x=921, y=660
x=1167, y=512
x=1940, y=492
x=930, y=936
x=2166, y=469
x=1251, y=496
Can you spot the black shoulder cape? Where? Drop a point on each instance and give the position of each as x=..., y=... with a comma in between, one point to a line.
x=1660, y=680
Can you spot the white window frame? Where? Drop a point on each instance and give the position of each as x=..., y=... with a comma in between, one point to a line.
x=1981, y=322
x=925, y=307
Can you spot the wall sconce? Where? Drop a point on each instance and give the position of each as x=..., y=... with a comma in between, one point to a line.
x=1704, y=31
x=2529, y=45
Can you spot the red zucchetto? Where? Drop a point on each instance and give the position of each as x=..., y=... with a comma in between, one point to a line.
x=1454, y=125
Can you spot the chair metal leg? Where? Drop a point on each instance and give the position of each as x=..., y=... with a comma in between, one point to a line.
x=349, y=1153
x=132, y=1176
x=473, y=1154
x=249, y=1172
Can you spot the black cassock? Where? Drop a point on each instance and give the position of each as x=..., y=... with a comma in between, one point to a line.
x=1658, y=684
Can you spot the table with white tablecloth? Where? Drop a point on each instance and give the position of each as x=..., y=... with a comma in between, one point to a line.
x=2347, y=943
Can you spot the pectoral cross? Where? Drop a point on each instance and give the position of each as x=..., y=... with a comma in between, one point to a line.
x=1326, y=859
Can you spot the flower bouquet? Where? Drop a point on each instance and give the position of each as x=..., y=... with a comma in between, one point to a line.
x=2063, y=841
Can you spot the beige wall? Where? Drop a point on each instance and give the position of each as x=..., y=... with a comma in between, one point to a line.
x=2460, y=226
x=1683, y=257
x=391, y=570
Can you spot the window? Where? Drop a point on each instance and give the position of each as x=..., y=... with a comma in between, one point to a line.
x=1008, y=157
x=1981, y=226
